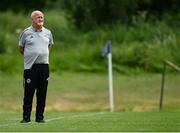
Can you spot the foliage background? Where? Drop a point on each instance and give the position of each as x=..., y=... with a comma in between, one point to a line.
x=143, y=33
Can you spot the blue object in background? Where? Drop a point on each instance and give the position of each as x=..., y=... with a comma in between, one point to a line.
x=107, y=48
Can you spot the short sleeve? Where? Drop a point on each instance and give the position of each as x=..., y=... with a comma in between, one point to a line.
x=51, y=42
x=22, y=39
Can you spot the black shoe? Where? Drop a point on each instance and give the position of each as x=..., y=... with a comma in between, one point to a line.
x=40, y=121
x=25, y=121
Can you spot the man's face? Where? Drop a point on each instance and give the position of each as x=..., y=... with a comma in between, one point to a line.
x=38, y=19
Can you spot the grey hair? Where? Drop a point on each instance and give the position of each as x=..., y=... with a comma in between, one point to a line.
x=34, y=12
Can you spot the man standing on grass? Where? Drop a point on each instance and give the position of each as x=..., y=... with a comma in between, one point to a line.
x=35, y=43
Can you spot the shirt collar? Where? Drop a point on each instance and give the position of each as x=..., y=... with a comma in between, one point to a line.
x=35, y=29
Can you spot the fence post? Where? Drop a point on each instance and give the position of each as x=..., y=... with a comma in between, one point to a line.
x=162, y=86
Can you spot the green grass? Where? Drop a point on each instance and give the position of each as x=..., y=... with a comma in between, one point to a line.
x=89, y=92
x=79, y=102
x=95, y=121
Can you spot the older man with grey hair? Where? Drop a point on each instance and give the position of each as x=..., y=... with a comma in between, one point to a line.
x=35, y=44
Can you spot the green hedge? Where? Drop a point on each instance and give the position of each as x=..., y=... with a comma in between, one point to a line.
x=140, y=46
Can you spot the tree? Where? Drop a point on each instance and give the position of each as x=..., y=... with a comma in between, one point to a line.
x=22, y=5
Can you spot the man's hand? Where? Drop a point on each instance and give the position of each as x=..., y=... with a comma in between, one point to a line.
x=21, y=50
x=49, y=48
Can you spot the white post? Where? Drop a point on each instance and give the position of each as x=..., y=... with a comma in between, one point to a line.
x=111, y=97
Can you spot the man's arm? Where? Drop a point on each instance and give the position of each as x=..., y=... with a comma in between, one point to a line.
x=49, y=48
x=21, y=50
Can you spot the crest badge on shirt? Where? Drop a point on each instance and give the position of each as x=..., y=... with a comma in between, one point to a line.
x=31, y=37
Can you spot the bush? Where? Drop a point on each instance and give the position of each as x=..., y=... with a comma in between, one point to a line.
x=2, y=43
x=140, y=46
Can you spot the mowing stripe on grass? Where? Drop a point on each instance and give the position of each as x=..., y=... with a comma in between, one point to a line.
x=74, y=116
x=53, y=119
x=9, y=124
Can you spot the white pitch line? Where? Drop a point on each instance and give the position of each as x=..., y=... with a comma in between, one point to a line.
x=53, y=119
x=73, y=116
x=9, y=124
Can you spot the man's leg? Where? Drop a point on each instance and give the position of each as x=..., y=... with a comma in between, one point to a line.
x=42, y=92
x=29, y=89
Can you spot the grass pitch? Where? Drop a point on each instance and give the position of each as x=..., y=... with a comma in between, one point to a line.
x=84, y=98
x=94, y=121
x=77, y=92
